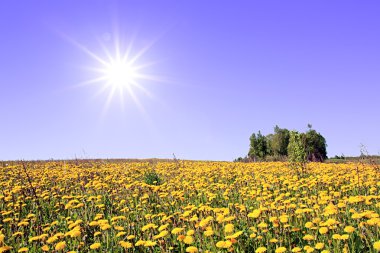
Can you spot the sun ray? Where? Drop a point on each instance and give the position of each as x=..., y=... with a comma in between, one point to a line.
x=119, y=71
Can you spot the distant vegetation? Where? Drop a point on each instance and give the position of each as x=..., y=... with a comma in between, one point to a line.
x=283, y=144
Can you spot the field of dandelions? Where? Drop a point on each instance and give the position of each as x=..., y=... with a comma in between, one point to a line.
x=188, y=207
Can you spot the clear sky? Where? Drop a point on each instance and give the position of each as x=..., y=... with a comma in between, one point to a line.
x=222, y=70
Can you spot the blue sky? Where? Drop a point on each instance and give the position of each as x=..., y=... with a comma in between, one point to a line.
x=226, y=69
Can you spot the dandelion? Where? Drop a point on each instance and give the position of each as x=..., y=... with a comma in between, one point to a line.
x=229, y=228
x=336, y=236
x=176, y=231
x=376, y=245
x=150, y=244
x=126, y=245
x=130, y=237
x=188, y=239
x=120, y=234
x=308, y=237
x=255, y=213
x=323, y=230
x=140, y=243
x=349, y=229
x=260, y=250
x=163, y=227
x=191, y=249
x=60, y=245
x=5, y=249
x=234, y=236
x=319, y=245
x=253, y=235
x=309, y=224
x=45, y=248
x=208, y=233
x=262, y=225
x=95, y=245
x=280, y=250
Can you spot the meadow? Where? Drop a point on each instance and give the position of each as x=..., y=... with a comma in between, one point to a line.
x=188, y=207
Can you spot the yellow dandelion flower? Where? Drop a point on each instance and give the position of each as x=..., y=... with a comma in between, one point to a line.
x=336, y=236
x=229, y=228
x=126, y=245
x=5, y=249
x=95, y=245
x=60, y=245
x=349, y=229
x=105, y=227
x=176, y=231
x=224, y=244
x=161, y=235
x=323, y=230
x=308, y=237
x=121, y=234
x=262, y=225
x=45, y=248
x=163, y=227
x=309, y=224
x=260, y=250
x=319, y=245
x=188, y=240
x=93, y=223
x=2, y=236
x=150, y=244
x=376, y=246
x=234, y=236
x=280, y=250
x=208, y=233
x=255, y=213
x=119, y=228
x=130, y=237
x=192, y=249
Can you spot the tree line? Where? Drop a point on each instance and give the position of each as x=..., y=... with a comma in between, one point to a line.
x=284, y=144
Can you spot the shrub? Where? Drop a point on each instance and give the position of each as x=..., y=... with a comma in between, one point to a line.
x=152, y=178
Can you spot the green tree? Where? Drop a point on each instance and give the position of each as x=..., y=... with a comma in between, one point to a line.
x=315, y=146
x=269, y=139
x=296, y=151
x=258, y=146
x=280, y=141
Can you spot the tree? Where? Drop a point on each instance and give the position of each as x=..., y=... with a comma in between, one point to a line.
x=269, y=139
x=280, y=141
x=315, y=145
x=258, y=146
x=297, y=151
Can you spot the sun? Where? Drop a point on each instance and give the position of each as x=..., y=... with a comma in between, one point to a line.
x=120, y=74
x=119, y=70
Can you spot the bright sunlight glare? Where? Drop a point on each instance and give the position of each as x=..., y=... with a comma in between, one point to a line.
x=119, y=72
